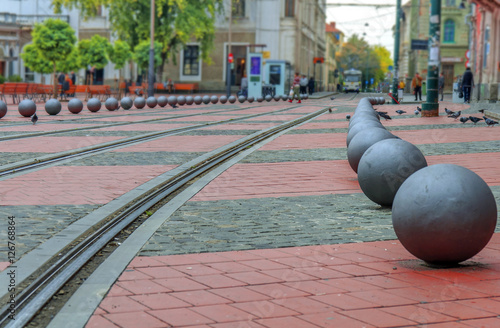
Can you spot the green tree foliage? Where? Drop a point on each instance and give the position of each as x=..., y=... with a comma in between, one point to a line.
x=94, y=52
x=141, y=54
x=34, y=60
x=120, y=53
x=176, y=22
x=54, y=39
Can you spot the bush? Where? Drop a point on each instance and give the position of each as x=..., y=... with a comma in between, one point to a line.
x=2, y=79
x=15, y=78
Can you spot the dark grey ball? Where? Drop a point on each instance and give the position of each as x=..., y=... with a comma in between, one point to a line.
x=361, y=127
x=214, y=99
x=172, y=100
x=3, y=109
x=189, y=100
x=250, y=99
x=205, y=99
x=27, y=108
x=151, y=102
x=284, y=97
x=162, y=101
x=385, y=166
x=198, y=100
x=260, y=99
x=362, y=141
x=94, y=105
x=306, y=96
x=53, y=107
x=268, y=98
x=277, y=97
x=242, y=99
x=139, y=102
x=231, y=99
x=444, y=214
x=111, y=104
x=181, y=100
x=223, y=99
x=126, y=103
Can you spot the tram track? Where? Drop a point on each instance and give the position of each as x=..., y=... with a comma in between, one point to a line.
x=61, y=268
x=41, y=161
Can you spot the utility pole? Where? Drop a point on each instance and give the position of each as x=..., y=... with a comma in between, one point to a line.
x=151, y=70
x=396, y=54
x=228, y=63
x=431, y=105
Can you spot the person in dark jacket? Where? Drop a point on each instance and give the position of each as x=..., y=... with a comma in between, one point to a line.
x=310, y=85
x=467, y=84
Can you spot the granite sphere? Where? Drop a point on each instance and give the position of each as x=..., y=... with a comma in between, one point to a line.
x=111, y=104
x=151, y=102
x=126, y=103
x=53, y=107
x=94, y=105
x=362, y=141
x=27, y=108
x=3, y=109
x=139, y=102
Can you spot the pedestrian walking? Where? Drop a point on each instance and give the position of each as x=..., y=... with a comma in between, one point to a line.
x=467, y=84
x=401, y=88
x=303, y=84
x=310, y=85
x=441, y=85
x=296, y=88
x=416, y=85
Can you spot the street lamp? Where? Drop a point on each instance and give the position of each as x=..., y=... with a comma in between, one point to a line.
x=151, y=70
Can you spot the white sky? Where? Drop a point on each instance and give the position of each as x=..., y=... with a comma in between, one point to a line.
x=352, y=19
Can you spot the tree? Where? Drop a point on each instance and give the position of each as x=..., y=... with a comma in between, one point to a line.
x=34, y=60
x=54, y=41
x=119, y=54
x=176, y=22
x=141, y=54
x=94, y=52
x=384, y=58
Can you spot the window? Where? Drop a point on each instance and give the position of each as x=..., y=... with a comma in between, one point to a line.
x=238, y=8
x=449, y=31
x=29, y=75
x=191, y=62
x=486, y=46
x=451, y=3
x=289, y=8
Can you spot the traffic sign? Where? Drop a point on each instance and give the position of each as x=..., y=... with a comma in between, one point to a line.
x=320, y=60
x=230, y=58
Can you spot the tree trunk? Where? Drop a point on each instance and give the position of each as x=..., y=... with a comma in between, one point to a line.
x=55, y=82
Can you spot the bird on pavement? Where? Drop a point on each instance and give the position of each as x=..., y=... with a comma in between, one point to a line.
x=330, y=110
x=384, y=115
x=332, y=98
x=34, y=119
x=449, y=112
x=348, y=117
x=419, y=109
x=381, y=112
x=416, y=112
x=489, y=121
x=481, y=110
x=399, y=111
x=455, y=115
x=464, y=119
x=474, y=119
x=174, y=106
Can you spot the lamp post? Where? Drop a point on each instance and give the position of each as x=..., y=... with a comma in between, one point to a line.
x=396, y=54
x=151, y=70
x=431, y=105
x=228, y=62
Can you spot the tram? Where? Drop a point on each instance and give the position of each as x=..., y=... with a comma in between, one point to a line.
x=352, y=80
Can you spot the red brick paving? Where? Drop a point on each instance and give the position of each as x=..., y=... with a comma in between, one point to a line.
x=410, y=294
x=52, y=144
x=182, y=144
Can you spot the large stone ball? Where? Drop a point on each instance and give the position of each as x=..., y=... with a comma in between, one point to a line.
x=362, y=117
x=205, y=99
x=250, y=99
x=139, y=102
x=223, y=99
x=27, y=108
x=162, y=101
x=361, y=127
x=75, y=106
x=285, y=97
x=277, y=98
x=189, y=100
x=362, y=141
x=172, y=101
x=231, y=99
x=214, y=100
x=444, y=214
x=260, y=99
x=268, y=98
x=242, y=99
x=181, y=100
x=3, y=109
x=151, y=102
x=126, y=103
x=53, y=107
x=306, y=96
x=385, y=166
x=111, y=104
x=93, y=105
x=197, y=100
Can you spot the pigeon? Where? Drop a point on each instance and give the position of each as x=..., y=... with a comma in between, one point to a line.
x=474, y=119
x=380, y=113
x=329, y=110
x=481, y=111
x=416, y=112
x=384, y=115
x=348, y=117
x=449, y=112
x=174, y=106
x=489, y=121
x=34, y=119
x=419, y=109
x=399, y=111
x=455, y=115
x=464, y=119
x=332, y=98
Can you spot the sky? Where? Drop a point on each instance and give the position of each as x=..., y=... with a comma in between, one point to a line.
x=353, y=19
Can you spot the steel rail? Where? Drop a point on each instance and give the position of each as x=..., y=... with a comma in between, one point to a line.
x=70, y=263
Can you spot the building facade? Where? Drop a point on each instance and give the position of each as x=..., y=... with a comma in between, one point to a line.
x=334, y=41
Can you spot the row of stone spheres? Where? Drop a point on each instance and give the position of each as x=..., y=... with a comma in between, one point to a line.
x=443, y=214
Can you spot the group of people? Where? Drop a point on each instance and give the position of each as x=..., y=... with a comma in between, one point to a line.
x=66, y=81
x=300, y=84
x=466, y=84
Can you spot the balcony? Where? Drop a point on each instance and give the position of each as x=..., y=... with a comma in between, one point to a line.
x=28, y=20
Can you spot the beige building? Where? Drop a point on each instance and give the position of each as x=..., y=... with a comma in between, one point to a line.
x=334, y=41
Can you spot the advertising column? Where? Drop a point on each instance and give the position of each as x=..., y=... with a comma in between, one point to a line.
x=254, y=69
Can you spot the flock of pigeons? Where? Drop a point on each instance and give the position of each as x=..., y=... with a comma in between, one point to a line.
x=450, y=113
